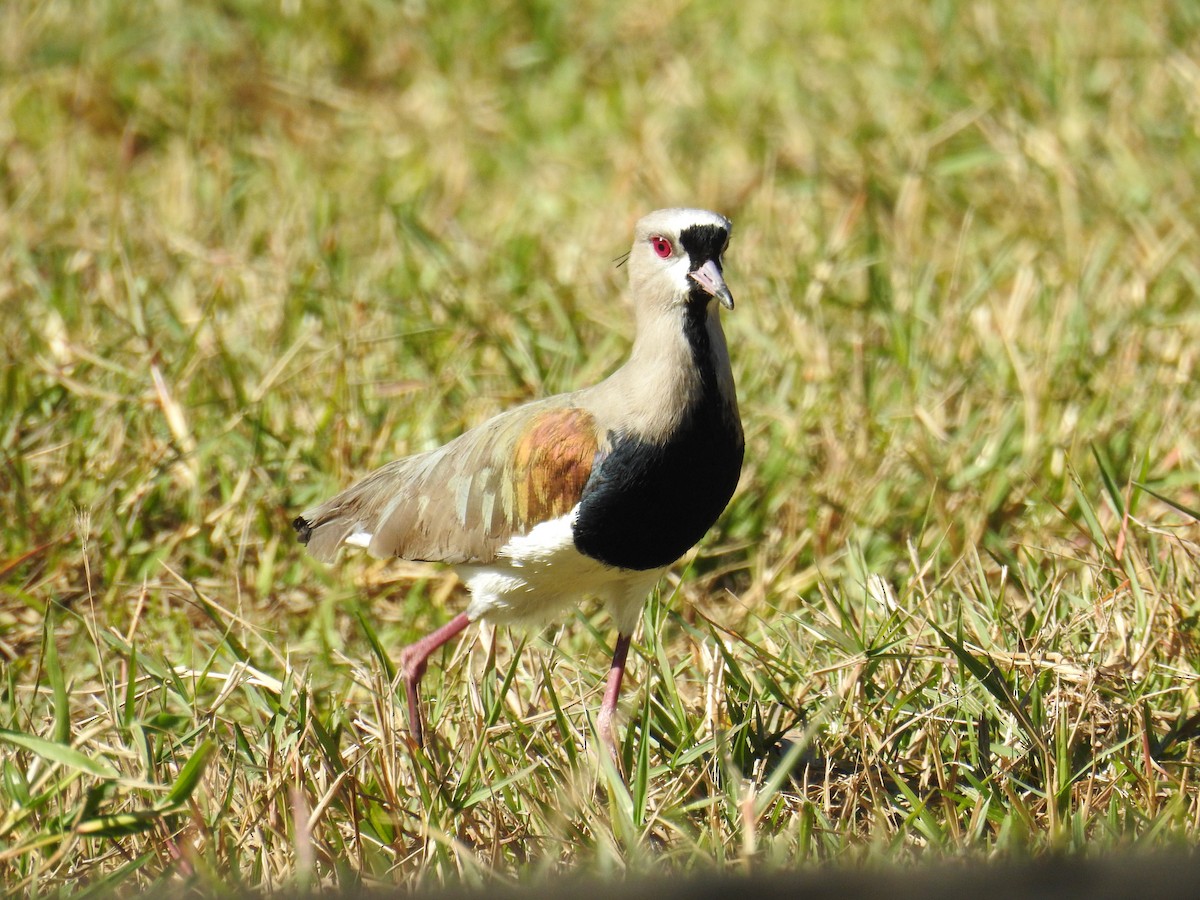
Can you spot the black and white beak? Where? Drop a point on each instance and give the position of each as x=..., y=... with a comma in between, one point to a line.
x=709, y=277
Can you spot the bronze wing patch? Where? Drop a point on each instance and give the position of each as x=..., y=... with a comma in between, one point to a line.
x=494, y=482
x=552, y=463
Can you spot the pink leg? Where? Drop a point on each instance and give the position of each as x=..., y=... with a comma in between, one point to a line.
x=608, y=708
x=413, y=660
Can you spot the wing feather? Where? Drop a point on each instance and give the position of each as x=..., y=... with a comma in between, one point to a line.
x=462, y=502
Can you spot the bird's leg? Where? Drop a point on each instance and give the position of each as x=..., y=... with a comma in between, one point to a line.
x=413, y=660
x=608, y=708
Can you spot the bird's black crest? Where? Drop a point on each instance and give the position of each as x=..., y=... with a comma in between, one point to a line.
x=702, y=243
x=303, y=529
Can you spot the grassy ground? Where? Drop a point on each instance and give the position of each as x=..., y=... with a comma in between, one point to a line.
x=249, y=251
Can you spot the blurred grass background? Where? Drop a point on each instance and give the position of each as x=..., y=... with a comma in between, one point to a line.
x=250, y=251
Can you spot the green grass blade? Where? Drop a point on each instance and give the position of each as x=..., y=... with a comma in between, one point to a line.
x=189, y=775
x=58, y=683
x=60, y=754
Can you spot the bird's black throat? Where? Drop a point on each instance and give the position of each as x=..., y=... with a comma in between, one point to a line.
x=646, y=503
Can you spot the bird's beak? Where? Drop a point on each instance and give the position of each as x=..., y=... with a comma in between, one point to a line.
x=709, y=277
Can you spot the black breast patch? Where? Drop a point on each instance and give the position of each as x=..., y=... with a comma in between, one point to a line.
x=647, y=504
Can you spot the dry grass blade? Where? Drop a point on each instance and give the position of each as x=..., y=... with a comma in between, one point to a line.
x=249, y=251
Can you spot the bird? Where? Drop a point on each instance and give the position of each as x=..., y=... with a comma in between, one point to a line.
x=592, y=493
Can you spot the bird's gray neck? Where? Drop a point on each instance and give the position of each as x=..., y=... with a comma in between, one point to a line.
x=678, y=361
x=674, y=453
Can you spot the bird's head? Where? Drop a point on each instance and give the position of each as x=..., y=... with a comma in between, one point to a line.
x=676, y=257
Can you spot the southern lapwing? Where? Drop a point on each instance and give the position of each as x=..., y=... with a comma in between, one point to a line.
x=592, y=493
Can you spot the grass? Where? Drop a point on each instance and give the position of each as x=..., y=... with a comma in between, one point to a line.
x=248, y=252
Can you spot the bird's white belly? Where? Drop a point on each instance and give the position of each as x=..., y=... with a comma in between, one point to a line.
x=538, y=575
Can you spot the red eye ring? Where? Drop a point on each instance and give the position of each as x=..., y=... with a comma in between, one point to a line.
x=661, y=246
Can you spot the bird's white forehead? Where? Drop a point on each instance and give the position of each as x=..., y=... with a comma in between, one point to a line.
x=677, y=220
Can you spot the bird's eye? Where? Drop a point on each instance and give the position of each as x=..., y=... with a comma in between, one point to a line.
x=661, y=245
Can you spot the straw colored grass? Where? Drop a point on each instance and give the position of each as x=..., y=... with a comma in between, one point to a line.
x=248, y=252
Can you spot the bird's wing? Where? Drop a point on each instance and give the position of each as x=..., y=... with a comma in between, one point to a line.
x=462, y=502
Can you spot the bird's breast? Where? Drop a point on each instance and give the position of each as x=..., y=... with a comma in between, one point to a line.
x=647, y=503
x=650, y=499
